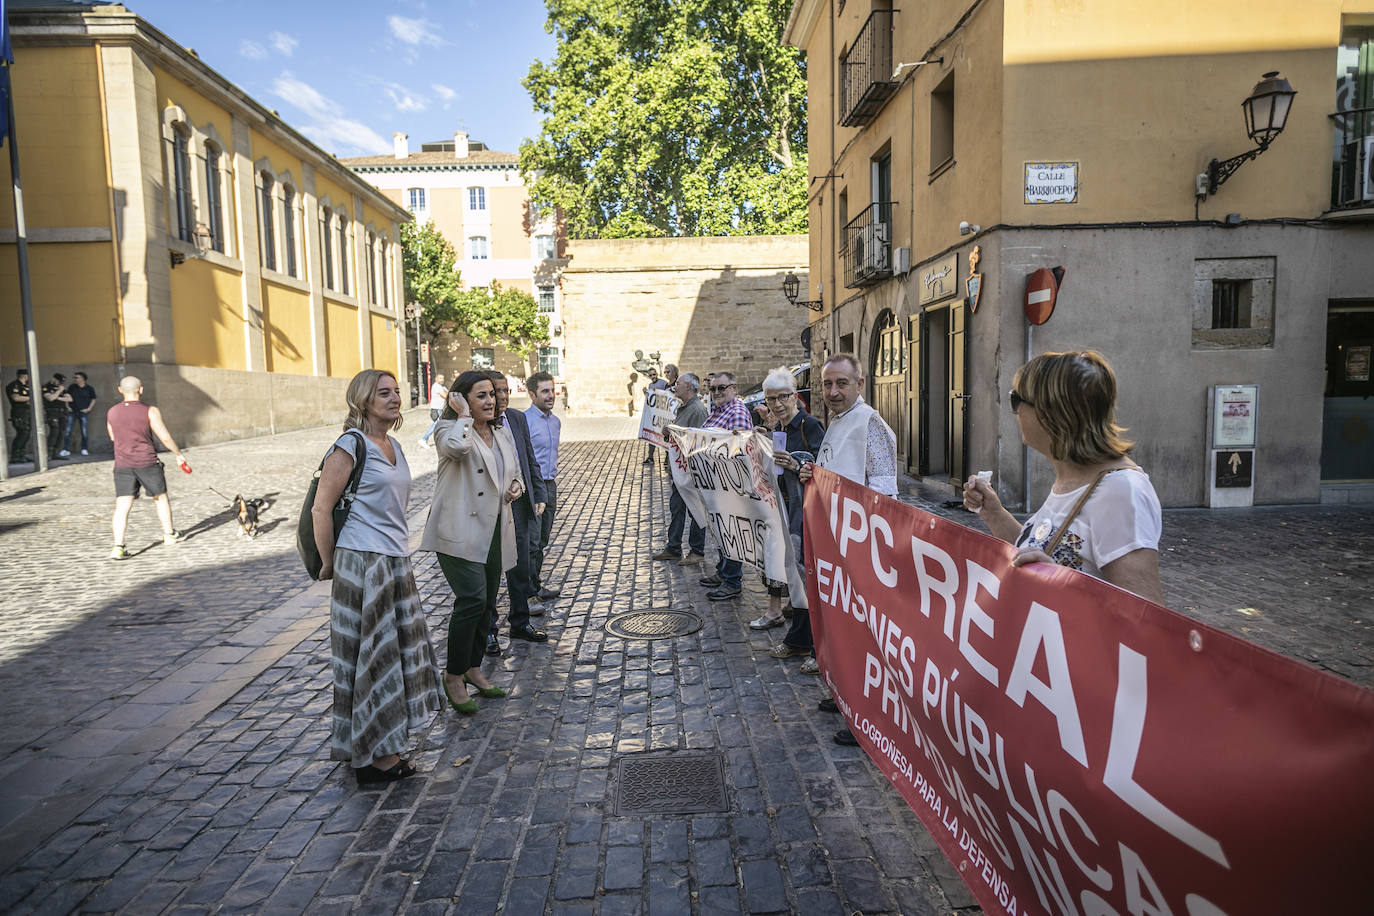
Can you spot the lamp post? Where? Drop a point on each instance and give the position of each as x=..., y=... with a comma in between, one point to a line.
x=413, y=311
x=791, y=287
x=1266, y=114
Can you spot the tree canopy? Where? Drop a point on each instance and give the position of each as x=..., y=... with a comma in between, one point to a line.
x=670, y=118
x=492, y=314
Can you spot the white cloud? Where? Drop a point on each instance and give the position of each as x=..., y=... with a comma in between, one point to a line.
x=404, y=99
x=325, y=122
x=284, y=43
x=444, y=93
x=414, y=31
x=251, y=49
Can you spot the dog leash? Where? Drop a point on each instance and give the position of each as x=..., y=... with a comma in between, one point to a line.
x=220, y=495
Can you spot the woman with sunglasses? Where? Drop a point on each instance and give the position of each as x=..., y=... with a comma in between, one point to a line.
x=1065, y=406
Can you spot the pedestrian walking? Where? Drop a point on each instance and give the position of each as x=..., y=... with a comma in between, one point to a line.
x=545, y=432
x=385, y=676
x=858, y=445
x=728, y=412
x=690, y=412
x=437, y=395
x=55, y=403
x=1102, y=516
x=803, y=433
x=525, y=511
x=78, y=413
x=132, y=426
x=471, y=528
x=20, y=397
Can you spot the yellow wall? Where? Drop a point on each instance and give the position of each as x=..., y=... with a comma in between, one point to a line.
x=281, y=160
x=341, y=331
x=200, y=111
x=58, y=124
x=338, y=196
x=207, y=316
x=446, y=209
x=286, y=329
x=74, y=303
x=507, y=207
x=383, y=345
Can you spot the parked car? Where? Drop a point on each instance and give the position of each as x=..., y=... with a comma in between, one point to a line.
x=753, y=397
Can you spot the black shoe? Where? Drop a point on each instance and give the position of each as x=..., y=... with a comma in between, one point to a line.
x=548, y=594
x=723, y=594
x=828, y=705
x=712, y=579
x=57, y=457
x=369, y=775
x=493, y=645
x=528, y=634
x=846, y=737
x=648, y=461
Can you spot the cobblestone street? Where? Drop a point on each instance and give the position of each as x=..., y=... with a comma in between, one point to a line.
x=164, y=721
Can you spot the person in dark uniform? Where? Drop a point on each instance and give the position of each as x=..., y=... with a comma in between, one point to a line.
x=55, y=402
x=20, y=397
x=132, y=426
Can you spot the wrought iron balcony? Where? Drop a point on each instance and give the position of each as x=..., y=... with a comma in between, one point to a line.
x=866, y=72
x=1352, y=171
x=867, y=246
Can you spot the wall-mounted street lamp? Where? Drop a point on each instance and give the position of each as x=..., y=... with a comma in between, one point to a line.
x=1266, y=113
x=791, y=286
x=200, y=239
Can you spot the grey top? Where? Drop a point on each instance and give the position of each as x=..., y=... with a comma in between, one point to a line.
x=693, y=413
x=377, y=521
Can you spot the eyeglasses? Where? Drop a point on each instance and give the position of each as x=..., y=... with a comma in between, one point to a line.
x=717, y=389
x=1017, y=401
x=778, y=398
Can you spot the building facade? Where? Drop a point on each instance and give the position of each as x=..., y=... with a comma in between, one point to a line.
x=477, y=198
x=1044, y=135
x=181, y=232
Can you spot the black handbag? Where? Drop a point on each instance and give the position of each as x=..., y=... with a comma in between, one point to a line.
x=305, y=526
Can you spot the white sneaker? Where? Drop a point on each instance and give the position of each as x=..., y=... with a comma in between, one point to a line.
x=84, y=452
x=64, y=454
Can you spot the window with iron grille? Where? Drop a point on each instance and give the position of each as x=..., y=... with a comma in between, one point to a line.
x=288, y=222
x=327, y=249
x=214, y=207
x=343, y=255
x=1230, y=303
x=546, y=303
x=181, y=172
x=1233, y=303
x=269, y=234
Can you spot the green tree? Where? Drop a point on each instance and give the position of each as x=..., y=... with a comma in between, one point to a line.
x=492, y=314
x=670, y=118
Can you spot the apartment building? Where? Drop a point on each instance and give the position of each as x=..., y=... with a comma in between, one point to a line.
x=1204, y=246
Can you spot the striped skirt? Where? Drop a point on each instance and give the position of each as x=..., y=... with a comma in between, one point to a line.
x=386, y=681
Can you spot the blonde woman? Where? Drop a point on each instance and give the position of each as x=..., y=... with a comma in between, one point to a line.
x=1065, y=404
x=385, y=676
x=471, y=528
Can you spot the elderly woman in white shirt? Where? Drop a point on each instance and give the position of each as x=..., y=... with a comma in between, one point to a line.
x=1102, y=515
x=471, y=529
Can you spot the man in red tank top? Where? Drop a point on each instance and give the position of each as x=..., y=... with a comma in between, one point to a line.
x=132, y=425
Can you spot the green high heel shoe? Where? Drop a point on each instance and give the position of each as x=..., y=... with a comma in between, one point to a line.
x=468, y=708
x=491, y=693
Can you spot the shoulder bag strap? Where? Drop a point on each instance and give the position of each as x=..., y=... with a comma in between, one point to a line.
x=356, y=476
x=1073, y=513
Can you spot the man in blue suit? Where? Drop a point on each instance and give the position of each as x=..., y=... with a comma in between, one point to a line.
x=526, y=511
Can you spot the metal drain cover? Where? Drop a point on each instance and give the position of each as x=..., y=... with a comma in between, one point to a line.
x=677, y=782
x=654, y=623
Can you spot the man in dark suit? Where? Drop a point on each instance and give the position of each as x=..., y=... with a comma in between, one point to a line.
x=526, y=511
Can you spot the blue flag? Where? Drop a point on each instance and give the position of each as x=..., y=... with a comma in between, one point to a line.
x=6, y=58
x=6, y=52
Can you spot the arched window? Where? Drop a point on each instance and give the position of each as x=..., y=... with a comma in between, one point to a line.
x=269, y=234
x=328, y=249
x=214, y=197
x=371, y=256
x=289, y=217
x=181, y=176
x=343, y=255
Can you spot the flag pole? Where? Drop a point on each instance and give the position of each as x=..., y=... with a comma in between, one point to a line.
x=40, y=429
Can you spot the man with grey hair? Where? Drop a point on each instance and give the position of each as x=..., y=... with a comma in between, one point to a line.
x=691, y=412
x=132, y=426
x=727, y=412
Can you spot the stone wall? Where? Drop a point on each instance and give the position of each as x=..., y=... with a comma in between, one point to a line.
x=704, y=304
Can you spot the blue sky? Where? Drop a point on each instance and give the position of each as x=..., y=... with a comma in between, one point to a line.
x=348, y=74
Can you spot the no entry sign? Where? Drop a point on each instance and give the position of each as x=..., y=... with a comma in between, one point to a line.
x=1042, y=288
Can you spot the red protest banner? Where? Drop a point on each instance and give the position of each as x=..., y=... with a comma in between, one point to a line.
x=1075, y=749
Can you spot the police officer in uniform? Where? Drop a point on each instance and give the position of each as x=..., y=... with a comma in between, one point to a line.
x=20, y=397
x=55, y=401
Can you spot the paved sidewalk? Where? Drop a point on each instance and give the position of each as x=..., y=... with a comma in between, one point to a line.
x=164, y=721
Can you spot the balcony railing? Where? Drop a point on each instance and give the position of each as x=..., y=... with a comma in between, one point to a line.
x=1352, y=171
x=866, y=73
x=867, y=251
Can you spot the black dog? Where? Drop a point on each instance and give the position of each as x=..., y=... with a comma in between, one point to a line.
x=246, y=511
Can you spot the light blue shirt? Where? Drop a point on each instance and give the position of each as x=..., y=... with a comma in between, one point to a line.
x=545, y=428
x=377, y=521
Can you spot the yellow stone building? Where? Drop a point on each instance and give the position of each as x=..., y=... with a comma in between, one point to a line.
x=1049, y=134
x=182, y=232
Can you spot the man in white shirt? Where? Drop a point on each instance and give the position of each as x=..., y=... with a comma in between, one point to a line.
x=858, y=445
x=545, y=431
x=437, y=395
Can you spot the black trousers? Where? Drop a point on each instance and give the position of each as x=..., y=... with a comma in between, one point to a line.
x=520, y=577
x=474, y=605
x=22, y=427
x=539, y=538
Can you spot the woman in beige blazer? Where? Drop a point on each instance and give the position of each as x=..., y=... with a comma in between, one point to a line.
x=470, y=527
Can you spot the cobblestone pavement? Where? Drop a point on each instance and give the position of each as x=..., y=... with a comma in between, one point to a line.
x=164, y=721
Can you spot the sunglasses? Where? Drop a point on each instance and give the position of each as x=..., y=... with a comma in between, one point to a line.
x=1017, y=401
x=717, y=389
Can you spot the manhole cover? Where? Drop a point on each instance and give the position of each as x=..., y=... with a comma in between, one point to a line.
x=674, y=783
x=655, y=623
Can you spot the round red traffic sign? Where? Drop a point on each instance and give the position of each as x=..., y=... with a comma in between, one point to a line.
x=1042, y=287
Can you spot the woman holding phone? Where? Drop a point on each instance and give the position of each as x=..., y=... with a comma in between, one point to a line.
x=471, y=528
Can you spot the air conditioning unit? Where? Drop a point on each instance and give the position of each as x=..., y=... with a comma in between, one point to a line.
x=871, y=251
x=1367, y=171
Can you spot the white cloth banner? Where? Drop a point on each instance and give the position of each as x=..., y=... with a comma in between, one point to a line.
x=726, y=479
x=660, y=407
